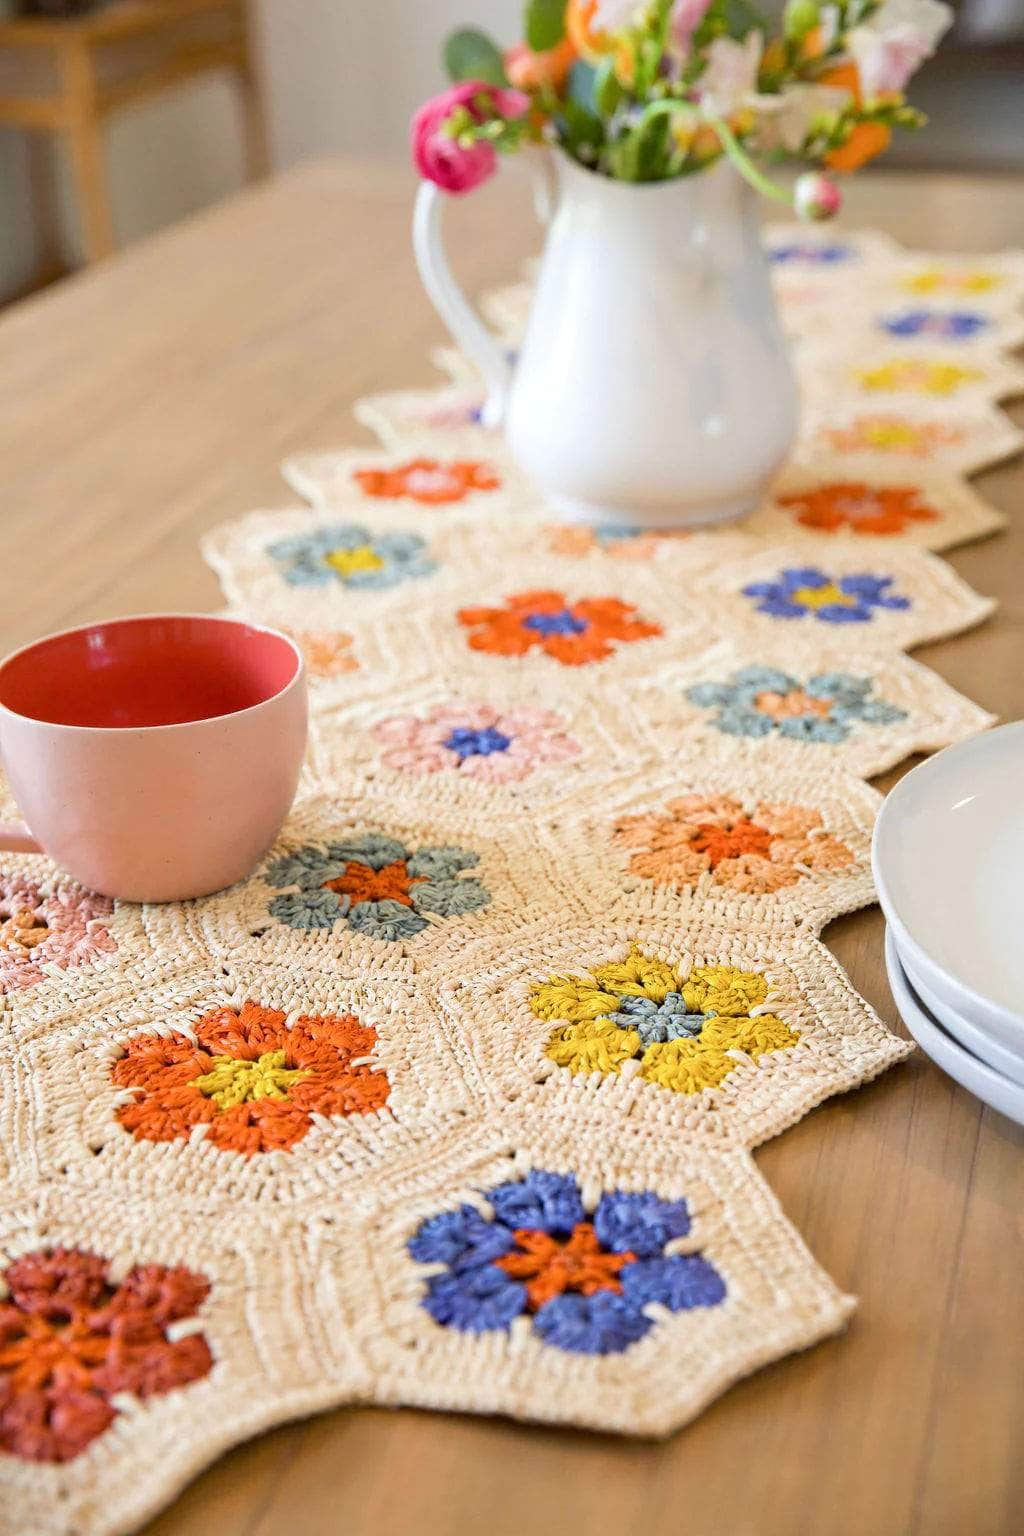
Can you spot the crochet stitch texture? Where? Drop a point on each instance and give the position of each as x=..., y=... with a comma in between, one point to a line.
x=452, y=1102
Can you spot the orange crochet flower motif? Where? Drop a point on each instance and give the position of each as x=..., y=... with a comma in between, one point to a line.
x=696, y=838
x=74, y=1342
x=428, y=481
x=550, y=1268
x=328, y=652
x=252, y=1080
x=872, y=509
x=572, y=633
x=891, y=434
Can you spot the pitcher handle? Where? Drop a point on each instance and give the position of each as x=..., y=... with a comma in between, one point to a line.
x=462, y=320
x=15, y=837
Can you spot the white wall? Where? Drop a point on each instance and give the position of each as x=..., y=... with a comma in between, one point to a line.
x=341, y=76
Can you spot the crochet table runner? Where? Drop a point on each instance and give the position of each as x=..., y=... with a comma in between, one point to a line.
x=453, y=1102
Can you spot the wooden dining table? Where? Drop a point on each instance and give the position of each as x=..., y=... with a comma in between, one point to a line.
x=153, y=396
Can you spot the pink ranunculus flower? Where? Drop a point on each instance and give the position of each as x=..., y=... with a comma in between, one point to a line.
x=440, y=158
x=816, y=197
x=476, y=741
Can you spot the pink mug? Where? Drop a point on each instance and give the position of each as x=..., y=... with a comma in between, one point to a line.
x=156, y=758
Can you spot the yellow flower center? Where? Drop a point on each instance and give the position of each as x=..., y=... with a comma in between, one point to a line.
x=822, y=597
x=231, y=1081
x=349, y=562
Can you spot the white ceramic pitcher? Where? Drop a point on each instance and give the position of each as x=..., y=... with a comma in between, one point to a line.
x=654, y=386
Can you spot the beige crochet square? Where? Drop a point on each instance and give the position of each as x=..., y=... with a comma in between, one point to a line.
x=358, y=885
x=898, y=598
x=761, y=1025
x=62, y=946
x=740, y=1288
x=232, y=1347
x=899, y=439
x=441, y=422
x=496, y=750
x=408, y=480
x=801, y=703
x=717, y=836
x=833, y=498
x=243, y=1084
x=887, y=374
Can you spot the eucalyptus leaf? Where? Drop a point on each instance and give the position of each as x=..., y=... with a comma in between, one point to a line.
x=470, y=54
x=544, y=24
x=583, y=85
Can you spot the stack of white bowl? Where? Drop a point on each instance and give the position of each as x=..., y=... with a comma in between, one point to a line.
x=948, y=857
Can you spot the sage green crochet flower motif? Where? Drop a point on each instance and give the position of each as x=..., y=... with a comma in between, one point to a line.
x=687, y=1033
x=377, y=885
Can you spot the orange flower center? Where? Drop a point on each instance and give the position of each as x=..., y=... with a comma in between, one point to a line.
x=550, y=1267
x=361, y=883
x=788, y=706
x=731, y=842
x=49, y=1353
x=23, y=930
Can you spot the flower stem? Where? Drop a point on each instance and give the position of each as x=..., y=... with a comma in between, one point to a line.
x=746, y=167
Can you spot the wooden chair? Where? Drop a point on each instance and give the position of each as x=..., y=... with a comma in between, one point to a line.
x=64, y=77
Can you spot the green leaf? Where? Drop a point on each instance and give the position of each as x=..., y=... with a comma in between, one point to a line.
x=578, y=127
x=470, y=54
x=607, y=89
x=742, y=17
x=544, y=24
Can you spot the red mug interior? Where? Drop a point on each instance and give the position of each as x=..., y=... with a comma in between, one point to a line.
x=167, y=669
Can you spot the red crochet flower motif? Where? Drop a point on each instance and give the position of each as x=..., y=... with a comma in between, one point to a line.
x=428, y=481
x=252, y=1080
x=70, y=1339
x=573, y=634
x=872, y=509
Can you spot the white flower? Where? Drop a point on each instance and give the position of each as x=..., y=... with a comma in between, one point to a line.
x=730, y=78
x=894, y=41
x=786, y=120
x=613, y=15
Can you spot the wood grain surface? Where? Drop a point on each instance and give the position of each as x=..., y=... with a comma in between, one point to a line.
x=146, y=400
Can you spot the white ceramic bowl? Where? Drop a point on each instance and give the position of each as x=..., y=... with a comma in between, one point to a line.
x=975, y=1040
x=948, y=859
x=982, y=1081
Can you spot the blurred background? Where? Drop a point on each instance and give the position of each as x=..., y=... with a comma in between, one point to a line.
x=162, y=127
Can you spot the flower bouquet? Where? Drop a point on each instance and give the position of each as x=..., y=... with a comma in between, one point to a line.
x=648, y=90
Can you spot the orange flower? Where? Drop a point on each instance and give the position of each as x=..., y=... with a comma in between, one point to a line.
x=891, y=434
x=428, y=481
x=872, y=509
x=328, y=652
x=773, y=847
x=551, y=1268
x=528, y=71
x=867, y=139
x=572, y=634
x=252, y=1080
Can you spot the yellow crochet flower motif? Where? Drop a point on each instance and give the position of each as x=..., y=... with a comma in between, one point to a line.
x=918, y=376
x=686, y=1032
x=936, y=280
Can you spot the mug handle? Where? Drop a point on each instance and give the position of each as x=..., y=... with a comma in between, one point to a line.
x=15, y=837
x=462, y=320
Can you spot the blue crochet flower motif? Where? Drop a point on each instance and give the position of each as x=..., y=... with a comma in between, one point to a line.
x=375, y=884
x=947, y=324
x=832, y=600
x=810, y=255
x=764, y=701
x=352, y=555
x=585, y=1283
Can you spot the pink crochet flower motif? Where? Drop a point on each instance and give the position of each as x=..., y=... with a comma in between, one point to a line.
x=476, y=741
x=62, y=928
